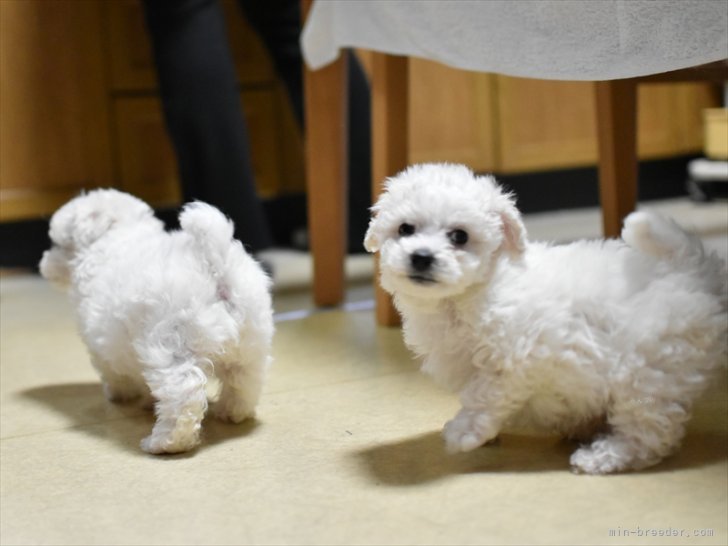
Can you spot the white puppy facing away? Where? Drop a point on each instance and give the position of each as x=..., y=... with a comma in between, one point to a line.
x=160, y=312
x=622, y=334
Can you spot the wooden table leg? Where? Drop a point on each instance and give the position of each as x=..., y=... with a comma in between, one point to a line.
x=616, y=103
x=389, y=142
x=326, y=176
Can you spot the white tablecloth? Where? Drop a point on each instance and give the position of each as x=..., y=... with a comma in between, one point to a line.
x=546, y=39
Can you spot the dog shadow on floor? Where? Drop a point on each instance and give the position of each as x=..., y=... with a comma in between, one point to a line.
x=423, y=459
x=87, y=410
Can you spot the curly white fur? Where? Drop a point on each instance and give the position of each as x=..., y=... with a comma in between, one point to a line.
x=562, y=338
x=160, y=312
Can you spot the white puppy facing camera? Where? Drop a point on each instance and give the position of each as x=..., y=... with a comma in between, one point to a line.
x=607, y=340
x=161, y=312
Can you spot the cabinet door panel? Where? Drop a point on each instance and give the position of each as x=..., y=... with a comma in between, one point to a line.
x=545, y=124
x=656, y=121
x=54, y=124
x=450, y=115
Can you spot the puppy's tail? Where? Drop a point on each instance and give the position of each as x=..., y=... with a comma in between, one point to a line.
x=242, y=286
x=661, y=237
x=211, y=232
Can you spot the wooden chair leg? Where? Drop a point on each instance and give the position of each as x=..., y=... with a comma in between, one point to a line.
x=326, y=175
x=616, y=103
x=389, y=142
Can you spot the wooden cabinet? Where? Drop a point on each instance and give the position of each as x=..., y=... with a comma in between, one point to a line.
x=511, y=125
x=80, y=107
x=54, y=122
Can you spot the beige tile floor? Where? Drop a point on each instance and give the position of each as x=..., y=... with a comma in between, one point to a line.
x=345, y=450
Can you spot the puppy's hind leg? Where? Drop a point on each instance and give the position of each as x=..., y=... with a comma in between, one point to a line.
x=644, y=430
x=241, y=384
x=180, y=408
x=118, y=388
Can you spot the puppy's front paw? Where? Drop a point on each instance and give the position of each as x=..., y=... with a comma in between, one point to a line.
x=159, y=444
x=468, y=430
x=604, y=456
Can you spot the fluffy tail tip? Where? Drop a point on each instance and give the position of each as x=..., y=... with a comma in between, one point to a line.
x=654, y=234
x=204, y=221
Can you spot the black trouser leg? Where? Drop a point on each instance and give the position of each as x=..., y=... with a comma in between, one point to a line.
x=201, y=103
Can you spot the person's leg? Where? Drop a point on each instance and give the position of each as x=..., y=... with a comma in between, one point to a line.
x=278, y=23
x=201, y=102
x=360, y=155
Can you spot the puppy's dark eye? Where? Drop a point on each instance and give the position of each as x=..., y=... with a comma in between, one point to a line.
x=406, y=229
x=458, y=237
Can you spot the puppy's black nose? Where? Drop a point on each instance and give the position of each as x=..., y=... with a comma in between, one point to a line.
x=421, y=259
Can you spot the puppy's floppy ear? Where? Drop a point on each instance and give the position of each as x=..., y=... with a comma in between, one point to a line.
x=371, y=239
x=514, y=232
x=54, y=266
x=90, y=224
x=101, y=210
